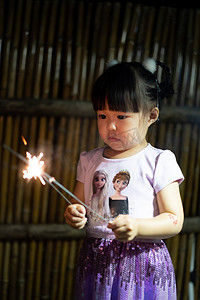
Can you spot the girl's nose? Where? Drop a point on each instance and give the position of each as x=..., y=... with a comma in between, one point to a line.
x=111, y=125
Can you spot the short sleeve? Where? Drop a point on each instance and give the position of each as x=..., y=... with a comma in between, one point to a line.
x=167, y=171
x=81, y=167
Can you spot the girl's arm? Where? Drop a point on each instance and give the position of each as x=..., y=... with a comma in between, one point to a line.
x=168, y=223
x=75, y=214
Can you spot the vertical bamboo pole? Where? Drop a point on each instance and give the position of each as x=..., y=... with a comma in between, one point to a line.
x=187, y=66
x=48, y=160
x=68, y=50
x=31, y=70
x=36, y=212
x=24, y=189
x=71, y=269
x=85, y=57
x=158, y=32
x=178, y=61
x=195, y=202
x=63, y=277
x=11, y=204
x=78, y=51
x=2, y=25
x=57, y=59
x=184, y=160
x=13, y=67
x=22, y=211
x=101, y=50
x=149, y=33
x=114, y=27
x=40, y=51
x=5, y=171
x=29, y=216
x=187, y=267
x=39, y=267
x=6, y=271
x=1, y=265
x=24, y=49
x=197, y=268
x=51, y=12
x=13, y=265
x=139, y=54
x=97, y=17
x=56, y=266
x=22, y=281
x=132, y=33
x=6, y=49
x=46, y=280
x=124, y=31
x=30, y=270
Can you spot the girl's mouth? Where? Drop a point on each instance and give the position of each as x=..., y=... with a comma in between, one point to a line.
x=113, y=139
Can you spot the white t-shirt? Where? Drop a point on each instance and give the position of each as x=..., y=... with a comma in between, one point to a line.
x=149, y=171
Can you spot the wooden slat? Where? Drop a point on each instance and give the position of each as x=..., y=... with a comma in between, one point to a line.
x=63, y=231
x=60, y=108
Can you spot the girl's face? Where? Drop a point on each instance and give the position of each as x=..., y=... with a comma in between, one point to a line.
x=99, y=181
x=120, y=184
x=123, y=131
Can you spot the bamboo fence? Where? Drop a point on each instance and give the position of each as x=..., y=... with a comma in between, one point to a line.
x=51, y=51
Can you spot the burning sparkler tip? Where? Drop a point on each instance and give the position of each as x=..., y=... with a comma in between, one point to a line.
x=34, y=168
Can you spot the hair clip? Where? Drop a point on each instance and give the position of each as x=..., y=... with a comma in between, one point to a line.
x=112, y=63
x=150, y=65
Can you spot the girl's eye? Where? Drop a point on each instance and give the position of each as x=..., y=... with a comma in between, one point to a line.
x=121, y=117
x=102, y=116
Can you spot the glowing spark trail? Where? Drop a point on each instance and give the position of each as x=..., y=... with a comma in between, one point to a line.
x=24, y=140
x=35, y=170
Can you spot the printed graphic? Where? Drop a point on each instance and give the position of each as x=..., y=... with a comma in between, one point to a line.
x=118, y=203
x=99, y=202
x=109, y=207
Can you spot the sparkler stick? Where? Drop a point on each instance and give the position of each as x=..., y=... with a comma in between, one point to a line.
x=52, y=181
x=70, y=193
x=15, y=153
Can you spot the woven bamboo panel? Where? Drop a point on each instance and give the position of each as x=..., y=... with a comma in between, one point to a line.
x=55, y=49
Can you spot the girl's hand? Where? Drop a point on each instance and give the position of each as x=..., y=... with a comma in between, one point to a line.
x=75, y=216
x=124, y=227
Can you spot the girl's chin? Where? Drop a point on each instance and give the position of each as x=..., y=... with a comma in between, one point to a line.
x=118, y=146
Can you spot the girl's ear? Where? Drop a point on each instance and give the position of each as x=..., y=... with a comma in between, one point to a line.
x=153, y=116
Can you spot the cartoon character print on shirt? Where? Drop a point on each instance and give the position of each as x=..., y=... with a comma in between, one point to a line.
x=99, y=201
x=118, y=203
x=109, y=207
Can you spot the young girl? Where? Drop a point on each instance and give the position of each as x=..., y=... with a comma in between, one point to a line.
x=125, y=258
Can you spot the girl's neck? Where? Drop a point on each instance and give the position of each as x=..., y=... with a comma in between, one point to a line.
x=114, y=154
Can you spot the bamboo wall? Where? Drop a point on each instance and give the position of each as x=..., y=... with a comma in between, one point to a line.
x=52, y=50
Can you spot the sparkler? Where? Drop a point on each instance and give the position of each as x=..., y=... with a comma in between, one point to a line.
x=35, y=169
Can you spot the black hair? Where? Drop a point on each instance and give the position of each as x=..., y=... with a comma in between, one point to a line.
x=130, y=87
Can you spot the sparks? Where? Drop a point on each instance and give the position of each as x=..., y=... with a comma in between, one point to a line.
x=34, y=168
x=24, y=140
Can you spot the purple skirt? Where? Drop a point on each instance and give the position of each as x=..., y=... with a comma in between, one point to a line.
x=113, y=270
